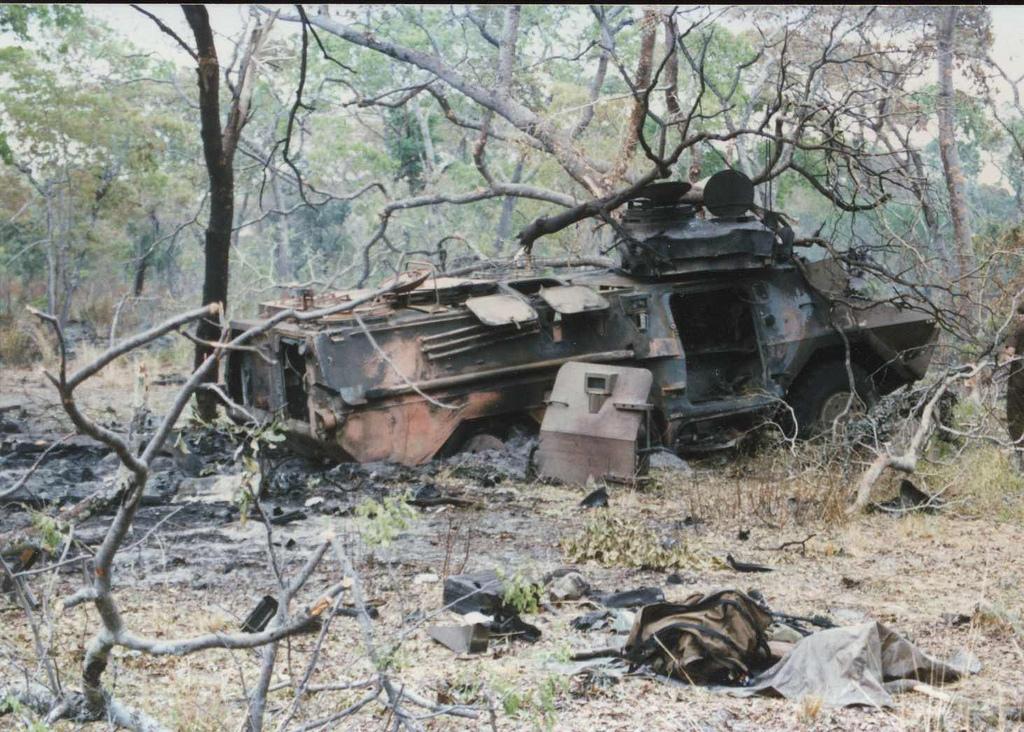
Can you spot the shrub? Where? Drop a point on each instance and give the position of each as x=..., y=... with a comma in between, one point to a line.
x=19, y=342
x=615, y=542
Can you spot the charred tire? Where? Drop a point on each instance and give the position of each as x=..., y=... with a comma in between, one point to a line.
x=821, y=394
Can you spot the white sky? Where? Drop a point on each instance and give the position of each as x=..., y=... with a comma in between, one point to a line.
x=1007, y=20
x=228, y=20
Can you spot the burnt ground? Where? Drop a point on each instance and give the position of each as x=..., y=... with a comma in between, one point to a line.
x=948, y=581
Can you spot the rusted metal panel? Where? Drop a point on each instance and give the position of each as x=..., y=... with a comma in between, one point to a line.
x=573, y=299
x=501, y=310
x=593, y=419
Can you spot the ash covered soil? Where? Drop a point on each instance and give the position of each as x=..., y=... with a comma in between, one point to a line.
x=948, y=581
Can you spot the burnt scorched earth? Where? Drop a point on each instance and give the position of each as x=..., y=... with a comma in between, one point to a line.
x=193, y=565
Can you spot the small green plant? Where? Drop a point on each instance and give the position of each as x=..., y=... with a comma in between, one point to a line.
x=513, y=701
x=48, y=530
x=521, y=594
x=382, y=521
x=393, y=658
x=541, y=701
x=252, y=474
x=12, y=705
x=550, y=688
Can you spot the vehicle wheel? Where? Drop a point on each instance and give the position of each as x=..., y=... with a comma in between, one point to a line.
x=821, y=395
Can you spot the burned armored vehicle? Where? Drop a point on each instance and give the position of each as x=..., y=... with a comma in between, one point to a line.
x=709, y=298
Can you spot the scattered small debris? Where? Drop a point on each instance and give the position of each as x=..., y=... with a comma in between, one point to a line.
x=910, y=498
x=279, y=517
x=514, y=627
x=746, y=566
x=261, y=614
x=680, y=579
x=427, y=495
x=802, y=543
x=596, y=499
x=690, y=522
x=956, y=619
x=594, y=620
x=568, y=587
x=631, y=598
x=471, y=638
x=481, y=592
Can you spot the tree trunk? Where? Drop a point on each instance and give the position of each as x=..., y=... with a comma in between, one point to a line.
x=508, y=209
x=951, y=167
x=639, y=111
x=221, y=174
x=283, y=240
x=146, y=245
x=1015, y=391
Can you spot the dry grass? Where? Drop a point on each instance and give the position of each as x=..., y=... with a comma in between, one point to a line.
x=905, y=571
x=982, y=480
x=22, y=341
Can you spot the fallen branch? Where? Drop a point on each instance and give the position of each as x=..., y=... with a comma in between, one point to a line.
x=906, y=462
x=95, y=703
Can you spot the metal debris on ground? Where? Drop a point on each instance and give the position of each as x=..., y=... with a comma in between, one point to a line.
x=472, y=638
x=481, y=592
x=596, y=499
x=261, y=614
x=746, y=566
x=909, y=499
x=280, y=517
x=427, y=495
x=593, y=421
x=594, y=620
x=514, y=627
x=568, y=587
x=630, y=598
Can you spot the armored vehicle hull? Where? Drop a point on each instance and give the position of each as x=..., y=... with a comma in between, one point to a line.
x=415, y=373
x=729, y=322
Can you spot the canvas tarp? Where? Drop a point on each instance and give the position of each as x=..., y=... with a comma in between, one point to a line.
x=856, y=665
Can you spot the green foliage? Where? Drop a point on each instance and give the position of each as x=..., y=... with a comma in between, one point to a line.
x=48, y=530
x=255, y=440
x=521, y=594
x=381, y=522
x=539, y=702
x=404, y=142
x=10, y=704
x=614, y=541
x=19, y=18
